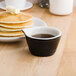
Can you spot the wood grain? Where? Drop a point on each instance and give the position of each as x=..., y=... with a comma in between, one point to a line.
x=15, y=58
x=68, y=62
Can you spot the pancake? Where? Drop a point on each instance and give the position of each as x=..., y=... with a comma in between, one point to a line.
x=21, y=25
x=11, y=34
x=9, y=29
x=6, y=17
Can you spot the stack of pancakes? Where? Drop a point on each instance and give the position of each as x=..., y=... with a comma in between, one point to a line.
x=11, y=25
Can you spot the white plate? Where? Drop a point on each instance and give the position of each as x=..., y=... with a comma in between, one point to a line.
x=27, y=5
x=37, y=23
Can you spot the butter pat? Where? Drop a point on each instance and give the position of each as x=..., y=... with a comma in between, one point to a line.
x=12, y=10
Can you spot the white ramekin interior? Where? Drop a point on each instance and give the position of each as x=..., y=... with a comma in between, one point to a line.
x=42, y=30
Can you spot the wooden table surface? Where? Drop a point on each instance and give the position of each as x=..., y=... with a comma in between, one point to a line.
x=67, y=65
x=16, y=60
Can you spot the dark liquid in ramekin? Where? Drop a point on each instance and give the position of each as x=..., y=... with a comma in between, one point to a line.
x=43, y=35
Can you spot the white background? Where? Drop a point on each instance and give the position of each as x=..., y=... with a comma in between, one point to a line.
x=35, y=1
x=75, y=2
x=39, y=0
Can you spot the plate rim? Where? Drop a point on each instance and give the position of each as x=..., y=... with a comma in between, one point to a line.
x=3, y=7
